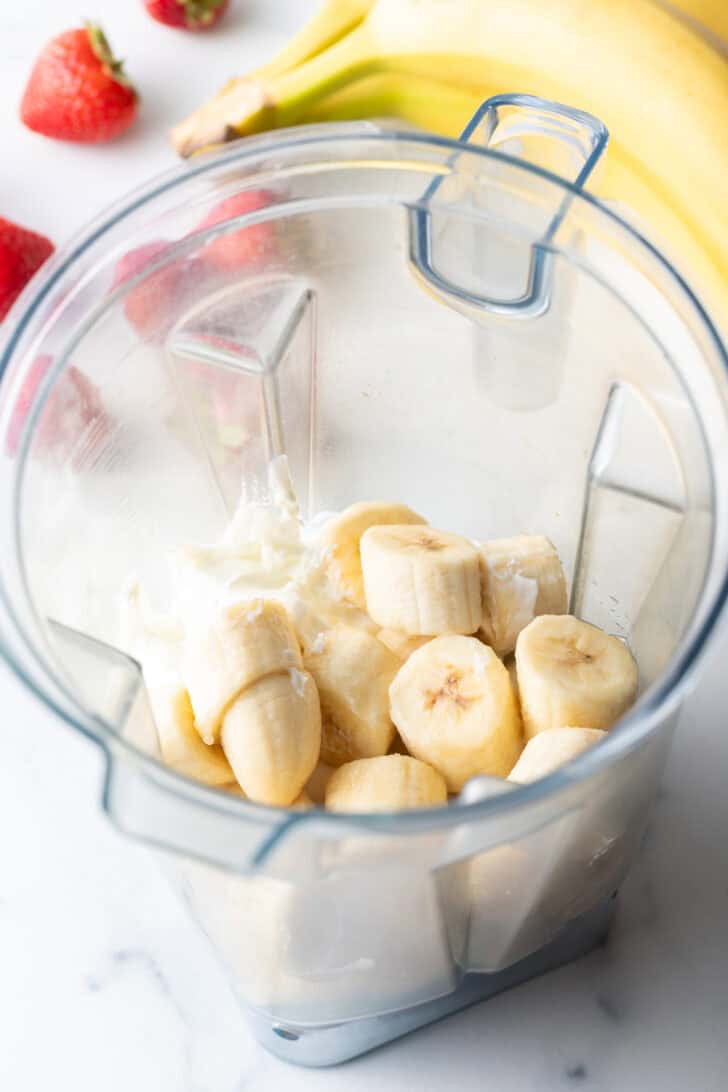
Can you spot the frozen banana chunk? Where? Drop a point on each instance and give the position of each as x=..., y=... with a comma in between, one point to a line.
x=421, y=581
x=341, y=540
x=353, y=671
x=388, y=783
x=570, y=672
x=521, y=578
x=238, y=646
x=271, y=735
x=179, y=741
x=548, y=750
x=453, y=704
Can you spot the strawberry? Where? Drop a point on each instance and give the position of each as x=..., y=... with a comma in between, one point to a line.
x=77, y=90
x=187, y=14
x=153, y=304
x=248, y=247
x=73, y=421
x=22, y=252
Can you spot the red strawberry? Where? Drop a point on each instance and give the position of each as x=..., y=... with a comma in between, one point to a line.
x=187, y=14
x=153, y=305
x=250, y=246
x=22, y=252
x=73, y=420
x=77, y=90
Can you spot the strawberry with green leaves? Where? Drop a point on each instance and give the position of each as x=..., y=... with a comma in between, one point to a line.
x=77, y=90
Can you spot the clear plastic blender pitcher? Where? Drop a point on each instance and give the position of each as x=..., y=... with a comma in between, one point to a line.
x=454, y=325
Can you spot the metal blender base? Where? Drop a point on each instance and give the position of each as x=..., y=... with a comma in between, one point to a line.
x=330, y=1044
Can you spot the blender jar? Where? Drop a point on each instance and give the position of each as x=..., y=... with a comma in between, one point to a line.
x=455, y=325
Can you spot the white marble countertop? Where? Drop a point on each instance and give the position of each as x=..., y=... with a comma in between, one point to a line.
x=106, y=984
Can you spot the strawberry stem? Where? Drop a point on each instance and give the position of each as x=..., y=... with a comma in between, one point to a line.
x=200, y=12
x=102, y=49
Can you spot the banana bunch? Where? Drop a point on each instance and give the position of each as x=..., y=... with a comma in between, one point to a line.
x=658, y=84
x=388, y=679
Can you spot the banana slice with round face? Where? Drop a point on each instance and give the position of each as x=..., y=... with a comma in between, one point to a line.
x=421, y=581
x=353, y=671
x=570, y=672
x=271, y=735
x=388, y=783
x=179, y=741
x=550, y=749
x=239, y=645
x=453, y=704
x=401, y=644
x=521, y=578
x=341, y=540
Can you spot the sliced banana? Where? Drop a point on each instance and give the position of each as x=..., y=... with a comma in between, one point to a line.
x=453, y=704
x=421, y=581
x=179, y=741
x=388, y=783
x=401, y=644
x=548, y=750
x=271, y=735
x=522, y=577
x=570, y=672
x=239, y=645
x=353, y=671
x=341, y=542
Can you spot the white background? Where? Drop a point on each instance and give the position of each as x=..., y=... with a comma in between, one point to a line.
x=104, y=983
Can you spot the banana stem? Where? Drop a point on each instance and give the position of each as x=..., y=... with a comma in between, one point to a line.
x=291, y=94
x=251, y=105
x=333, y=21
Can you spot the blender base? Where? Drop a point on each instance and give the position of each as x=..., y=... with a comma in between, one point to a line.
x=329, y=1044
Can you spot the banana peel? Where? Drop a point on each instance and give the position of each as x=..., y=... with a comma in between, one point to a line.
x=705, y=15
x=436, y=107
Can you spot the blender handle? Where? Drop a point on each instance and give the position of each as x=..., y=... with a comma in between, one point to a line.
x=142, y=796
x=516, y=115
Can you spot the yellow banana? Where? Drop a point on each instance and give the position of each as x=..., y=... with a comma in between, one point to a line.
x=660, y=88
x=711, y=15
x=334, y=19
x=437, y=107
